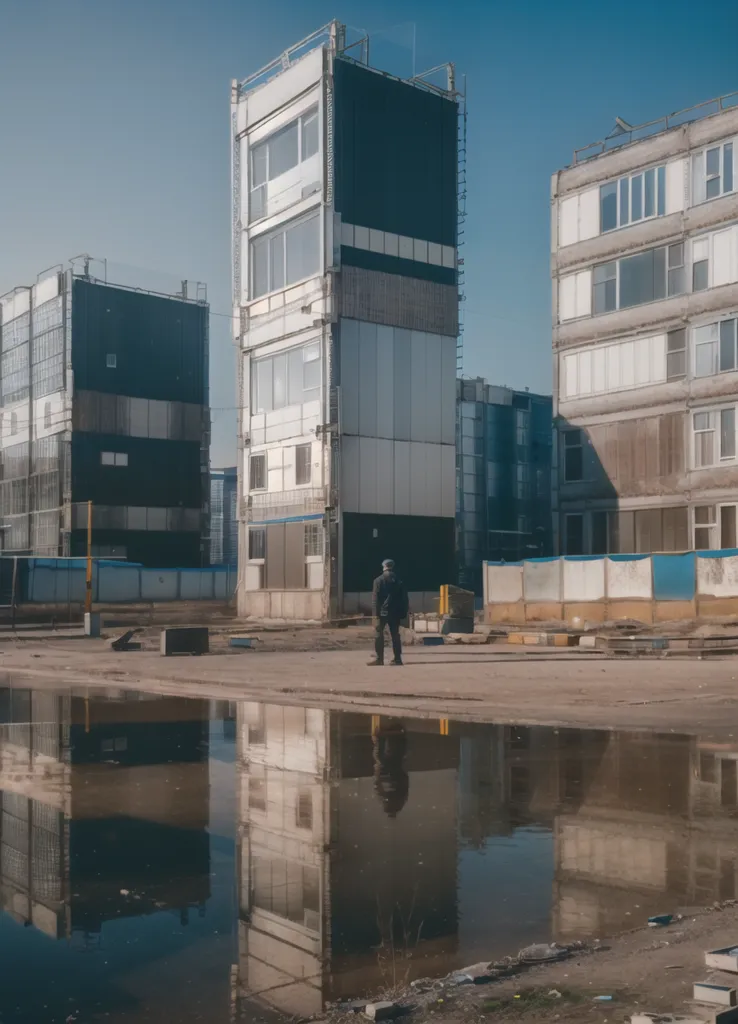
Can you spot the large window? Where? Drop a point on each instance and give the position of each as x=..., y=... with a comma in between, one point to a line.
x=573, y=455
x=633, y=280
x=628, y=200
x=257, y=542
x=257, y=473
x=279, y=153
x=574, y=533
x=714, y=436
x=289, y=378
x=303, y=464
x=712, y=172
x=714, y=527
x=285, y=256
x=716, y=348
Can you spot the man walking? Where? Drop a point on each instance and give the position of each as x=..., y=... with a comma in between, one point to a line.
x=389, y=608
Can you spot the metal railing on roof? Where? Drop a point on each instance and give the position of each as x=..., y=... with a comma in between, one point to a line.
x=624, y=134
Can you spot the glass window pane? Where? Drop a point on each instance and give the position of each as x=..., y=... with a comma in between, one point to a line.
x=676, y=255
x=727, y=526
x=263, y=386
x=703, y=448
x=712, y=188
x=276, y=262
x=702, y=421
x=303, y=250
x=283, y=151
x=728, y=167
x=659, y=273
x=676, y=365
x=676, y=281
x=258, y=165
x=649, y=193
x=636, y=197
x=637, y=279
x=280, y=381
x=713, y=162
x=624, y=201
x=661, y=191
x=575, y=535
x=727, y=345
x=311, y=372
x=727, y=433
x=294, y=373
x=704, y=360
x=704, y=514
x=702, y=538
x=260, y=267
x=309, y=135
x=699, y=276
x=608, y=206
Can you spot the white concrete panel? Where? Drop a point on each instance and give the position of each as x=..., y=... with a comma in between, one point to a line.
x=406, y=248
x=584, y=581
x=658, y=357
x=368, y=469
x=350, y=474
x=275, y=458
x=433, y=479
x=347, y=234
x=385, y=381
x=14, y=305
x=435, y=254
x=585, y=372
x=642, y=360
x=420, y=250
x=252, y=577
x=569, y=377
x=598, y=370
x=449, y=257
x=675, y=181
x=367, y=385
x=433, y=392
x=46, y=290
x=584, y=293
x=717, y=577
x=613, y=366
x=503, y=584
x=315, y=575
x=725, y=256
x=138, y=416
x=542, y=580
x=275, y=479
x=567, y=298
x=385, y=477
x=448, y=390
x=350, y=376
x=391, y=244
x=279, y=91
x=628, y=580
x=627, y=364
x=418, y=478
x=158, y=418
x=417, y=386
x=589, y=214
x=402, y=478
x=361, y=237
x=568, y=221
x=376, y=240
x=448, y=480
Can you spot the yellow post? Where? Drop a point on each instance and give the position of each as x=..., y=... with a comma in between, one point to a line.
x=376, y=721
x=88, y=580
x=443, y=600
x=443, y=726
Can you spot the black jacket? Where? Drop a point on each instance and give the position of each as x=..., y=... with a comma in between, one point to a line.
x=389, y=597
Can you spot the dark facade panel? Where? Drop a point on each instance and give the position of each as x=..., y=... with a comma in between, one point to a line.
x=275, y=560
x=422, y=547
x=399, y=301
x=158, y=473
x=157, y=549
x=395, y=161
x=159, y=343
x=352, y=257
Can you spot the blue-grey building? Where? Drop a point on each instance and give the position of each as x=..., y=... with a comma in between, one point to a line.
x=224, y=516
x=503, y=476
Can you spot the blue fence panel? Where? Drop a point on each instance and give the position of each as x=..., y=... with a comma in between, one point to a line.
x=674, y=577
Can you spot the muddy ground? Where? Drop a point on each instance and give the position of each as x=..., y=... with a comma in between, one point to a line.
x=645, y=970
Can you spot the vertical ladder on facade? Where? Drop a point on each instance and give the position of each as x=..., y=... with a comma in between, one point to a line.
x=460, y=222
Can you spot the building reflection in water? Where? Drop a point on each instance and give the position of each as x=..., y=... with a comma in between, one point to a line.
x=104, y=808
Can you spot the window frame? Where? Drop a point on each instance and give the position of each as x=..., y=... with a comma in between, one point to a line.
x=267, y=238
x=715, y=344
x=659, y=193
x=715, y=428
x=302, y=449
x=579, y=446
x=699, y=166
x=256, y=147
x=311, y=353
x=254, y=531
x=667, y=269
x=257, y=457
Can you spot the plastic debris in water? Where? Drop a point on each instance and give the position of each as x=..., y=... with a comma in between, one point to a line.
x=660, y=920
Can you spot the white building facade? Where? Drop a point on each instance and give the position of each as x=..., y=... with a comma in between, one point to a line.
x=346, y=321
x=645, y=311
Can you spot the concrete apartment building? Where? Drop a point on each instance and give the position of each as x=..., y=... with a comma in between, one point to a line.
x=345, y=224
x=503, y=476
x=645, y=311
x=104, y=398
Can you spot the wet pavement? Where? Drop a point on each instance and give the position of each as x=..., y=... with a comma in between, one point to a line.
x=167, y=858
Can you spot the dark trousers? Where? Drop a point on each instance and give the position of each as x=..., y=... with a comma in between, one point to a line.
x=393, y=623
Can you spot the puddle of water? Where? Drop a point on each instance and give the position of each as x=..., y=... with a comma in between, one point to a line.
x=179, y=859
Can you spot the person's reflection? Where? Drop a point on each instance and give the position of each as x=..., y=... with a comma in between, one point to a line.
x=391, y=781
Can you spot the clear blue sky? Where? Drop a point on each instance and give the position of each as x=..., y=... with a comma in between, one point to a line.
x=114, y=134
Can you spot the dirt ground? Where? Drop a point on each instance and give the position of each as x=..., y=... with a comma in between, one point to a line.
x=645, y=970
x=328, y=668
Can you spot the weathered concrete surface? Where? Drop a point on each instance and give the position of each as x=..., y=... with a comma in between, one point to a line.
x=540, y=685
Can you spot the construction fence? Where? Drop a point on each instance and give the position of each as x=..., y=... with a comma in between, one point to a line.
x=594, y=588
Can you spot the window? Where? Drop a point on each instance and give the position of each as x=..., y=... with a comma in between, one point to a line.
x=313, y=540
x=676, y=354
x=257, y=473
x=521, y=484
x=700, y=264
x=289, y=378
x=573, y=455
x=704, y=439
x=279, y=153
x=114, y=458
x=716, y=348
x=574, y=533
x=47, y=416
x=111, y=361
x=644, y=277
x=634, y=198
x=285, y=256
x=13, y=424
x=304, y=814
x=705, y=523
x=712, y=172
x=714, y=436
x=257, y=543
x=303, y=463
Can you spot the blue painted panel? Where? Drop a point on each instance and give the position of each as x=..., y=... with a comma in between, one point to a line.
x=674, y=577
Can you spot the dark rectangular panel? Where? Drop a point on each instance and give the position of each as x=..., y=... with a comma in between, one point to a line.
x=294, y=556
x=422, y=546
x=275, y=560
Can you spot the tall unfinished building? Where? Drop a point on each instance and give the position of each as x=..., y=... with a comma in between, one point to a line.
x=645, y=268
x=346, y=210
x=104, y=398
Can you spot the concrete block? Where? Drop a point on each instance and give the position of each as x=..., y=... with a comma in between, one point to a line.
x=184, y=640
x=724, y=959
x=433, y=641
x=92, y=624
x=588, y=641
x=721, y=995
x=382, y=1011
